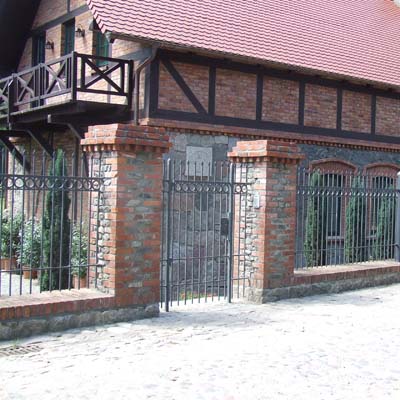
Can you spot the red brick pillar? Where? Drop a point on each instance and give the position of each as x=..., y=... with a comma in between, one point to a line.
x=271, y=236
x=129, y=158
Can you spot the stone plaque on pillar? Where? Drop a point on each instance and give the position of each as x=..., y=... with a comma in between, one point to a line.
x=199, y=160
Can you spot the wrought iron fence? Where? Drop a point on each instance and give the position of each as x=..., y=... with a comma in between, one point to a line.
x=344, y=218
x=203, y=246
x=49, y=222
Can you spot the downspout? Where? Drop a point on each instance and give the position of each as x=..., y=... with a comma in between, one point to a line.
x=138, y=71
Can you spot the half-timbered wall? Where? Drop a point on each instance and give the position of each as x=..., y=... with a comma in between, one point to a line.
x=223, y=93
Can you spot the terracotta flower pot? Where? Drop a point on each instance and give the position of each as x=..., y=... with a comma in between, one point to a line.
x=78, y=283
x=8, y=264
x=30, y=274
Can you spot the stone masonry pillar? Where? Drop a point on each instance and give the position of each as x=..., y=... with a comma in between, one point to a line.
x=129, y=158
x=271, y=242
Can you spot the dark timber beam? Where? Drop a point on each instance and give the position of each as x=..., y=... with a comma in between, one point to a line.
x=212, y=76
x=154, y=86
x=373, y=115
x=78, y=131
x=184, y=86
x=339, y=109
x=36, y=136
x=39, y=139
x=260, y=90
x=108, y=117
x=302, y=103
x=273, y=126
x=15, y=152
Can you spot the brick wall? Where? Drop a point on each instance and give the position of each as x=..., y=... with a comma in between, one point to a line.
x=77, y=3
x=383, y=169
x=356, y=112
x=48, y=10
x=281, y=102
x=235, y=94
x=171, y=96
x=271, y=236
x=130, y=209
x=388, y=116
x=320, y=106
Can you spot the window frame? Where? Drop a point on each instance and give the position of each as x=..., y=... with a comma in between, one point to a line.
x=68, y=30
x=38, y=48
x=101, y=46
x=342, y=169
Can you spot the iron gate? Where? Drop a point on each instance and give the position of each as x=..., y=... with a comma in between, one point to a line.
x=203, y=253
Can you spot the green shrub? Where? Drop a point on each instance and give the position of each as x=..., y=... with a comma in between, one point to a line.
x=10, y=229
x=355, y=243
x=383, y=248
x=29, y=253
x=315, y=229
x=56, y=231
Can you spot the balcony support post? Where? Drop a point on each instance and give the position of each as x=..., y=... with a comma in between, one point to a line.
x=16, y=153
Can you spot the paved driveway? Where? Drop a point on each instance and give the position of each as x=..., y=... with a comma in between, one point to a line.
x=343, y=346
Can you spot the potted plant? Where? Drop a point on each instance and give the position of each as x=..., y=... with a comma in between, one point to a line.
x=79, y=259
x=10, y=240
x=29, y=252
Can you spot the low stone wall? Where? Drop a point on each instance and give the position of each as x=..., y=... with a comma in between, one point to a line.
x=320, y=281
x=34, y=314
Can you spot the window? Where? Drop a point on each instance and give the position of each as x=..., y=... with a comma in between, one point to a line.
x=38, y=49
x=69, y=37
x=100, y=44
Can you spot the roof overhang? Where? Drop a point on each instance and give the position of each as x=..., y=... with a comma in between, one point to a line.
x=16, y=19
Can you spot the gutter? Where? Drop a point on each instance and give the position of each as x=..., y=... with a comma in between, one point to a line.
x=137, y=73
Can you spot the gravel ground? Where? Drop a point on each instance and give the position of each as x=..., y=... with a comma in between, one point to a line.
x=340, y=347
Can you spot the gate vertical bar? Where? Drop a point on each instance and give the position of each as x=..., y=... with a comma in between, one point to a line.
x=397, y=223
x=230, y=235
x=168, y=233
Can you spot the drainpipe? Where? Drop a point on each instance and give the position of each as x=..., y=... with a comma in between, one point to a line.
x=138, y=71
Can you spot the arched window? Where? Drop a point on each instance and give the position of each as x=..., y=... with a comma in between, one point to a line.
x=382, y=179
x=335, y=174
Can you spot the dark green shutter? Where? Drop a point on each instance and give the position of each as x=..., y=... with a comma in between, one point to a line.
x=69, y=37
x=102, y=47
x=38, y=50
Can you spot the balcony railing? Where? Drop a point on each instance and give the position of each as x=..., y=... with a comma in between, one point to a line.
x=70, y=78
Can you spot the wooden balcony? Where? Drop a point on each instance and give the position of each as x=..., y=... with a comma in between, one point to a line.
x=76, y=89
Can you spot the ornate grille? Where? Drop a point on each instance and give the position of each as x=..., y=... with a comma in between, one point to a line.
x=48, y=224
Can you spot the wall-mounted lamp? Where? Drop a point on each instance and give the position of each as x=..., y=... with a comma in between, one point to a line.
x=49, y=45
x=80, y=32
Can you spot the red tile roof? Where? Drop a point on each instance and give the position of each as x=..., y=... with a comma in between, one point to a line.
x=354, y=38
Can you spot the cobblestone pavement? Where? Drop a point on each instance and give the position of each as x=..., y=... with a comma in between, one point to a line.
x=344, y=346
x=19, y=285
